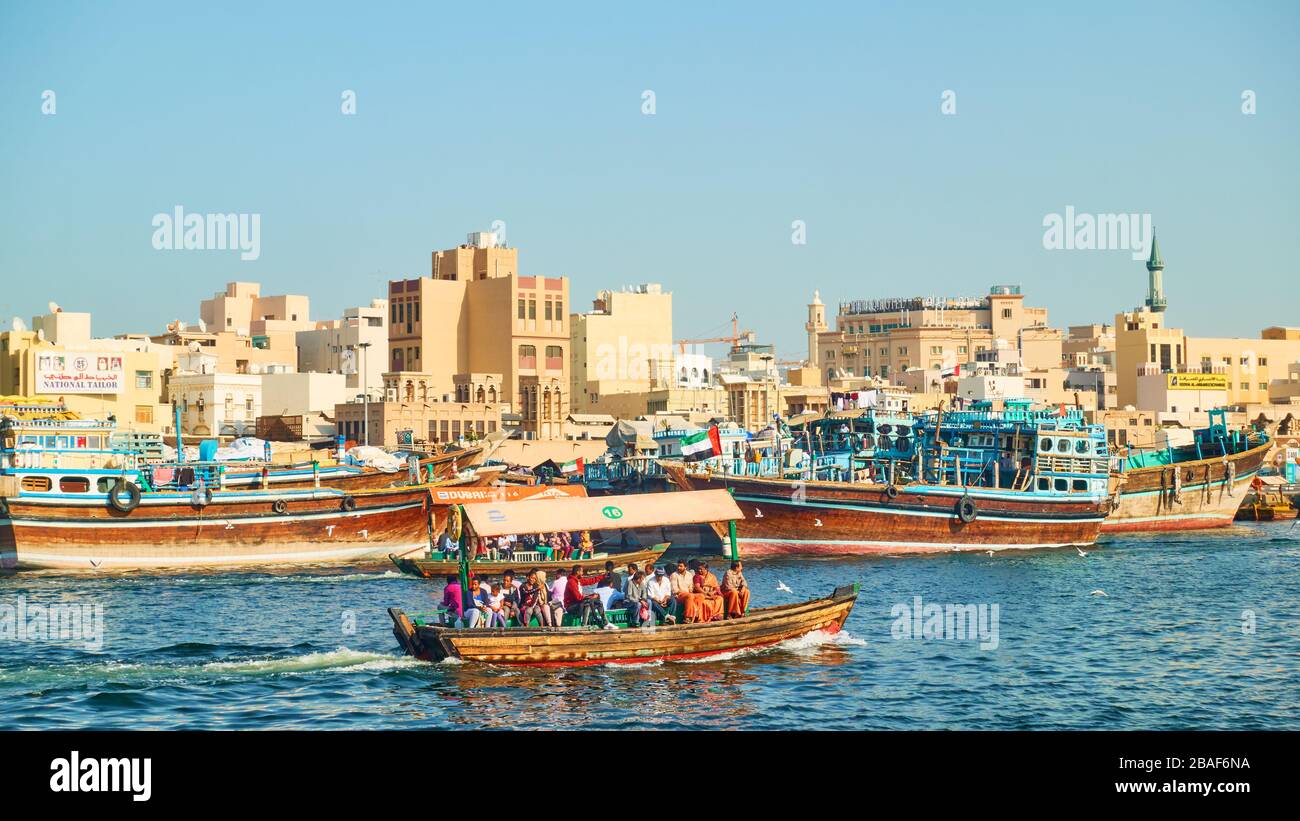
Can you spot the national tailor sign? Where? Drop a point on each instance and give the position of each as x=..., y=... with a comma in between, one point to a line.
x=79, y=372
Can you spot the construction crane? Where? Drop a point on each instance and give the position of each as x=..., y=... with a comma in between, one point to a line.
x=737, y=336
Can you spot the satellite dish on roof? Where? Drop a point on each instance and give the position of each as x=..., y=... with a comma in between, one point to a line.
x=203, y=326
x=54, y=308
x=18, y=324
x=40, y=334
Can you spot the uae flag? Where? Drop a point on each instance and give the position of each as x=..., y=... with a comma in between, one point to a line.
x=703, y=445
x=572, y=467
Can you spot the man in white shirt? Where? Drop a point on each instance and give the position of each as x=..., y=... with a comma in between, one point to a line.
x=660, y=593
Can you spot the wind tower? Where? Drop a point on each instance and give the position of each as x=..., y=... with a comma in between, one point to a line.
x=1156, y=278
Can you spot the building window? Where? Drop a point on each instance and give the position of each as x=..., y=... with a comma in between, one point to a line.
x=528, y=357
x=548, y=310
x=1263, y=386
x=144, y=379
x=1263, y=361
x=532, y=309
x=1245, y=386
x=1006, y=313
x=144, y=414
x=522, y=315
x=554, y=358
x=393, y=314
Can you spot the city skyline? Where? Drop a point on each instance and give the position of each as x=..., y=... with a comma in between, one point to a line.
x=1123, y=113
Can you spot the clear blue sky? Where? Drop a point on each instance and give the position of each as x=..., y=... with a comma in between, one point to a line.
x=531, y=114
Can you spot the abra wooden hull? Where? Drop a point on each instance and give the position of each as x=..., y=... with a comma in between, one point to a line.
x=1149, y=501
x=579, y=646
x=593, y=567
x=787, y=518
x=235, y=528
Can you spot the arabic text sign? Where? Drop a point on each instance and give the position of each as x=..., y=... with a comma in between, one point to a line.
x=1197, y=381
x=79, y=372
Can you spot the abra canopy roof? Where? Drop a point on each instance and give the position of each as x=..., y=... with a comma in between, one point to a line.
x=602, y=512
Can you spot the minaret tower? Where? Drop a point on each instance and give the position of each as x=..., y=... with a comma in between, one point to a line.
x=816, y=324
x=1156, y=278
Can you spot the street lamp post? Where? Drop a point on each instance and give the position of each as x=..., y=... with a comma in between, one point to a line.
x=365, y=394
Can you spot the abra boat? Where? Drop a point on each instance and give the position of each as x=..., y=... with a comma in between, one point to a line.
x=580, y=646
x=1198, y=484
x=575, y=645
x=898, y=484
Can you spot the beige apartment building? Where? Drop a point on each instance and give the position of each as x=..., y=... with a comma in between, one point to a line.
x=477, y=314
x=59, y=359
x=1249, y=366
x=624, y=345
x=356, y=346
x=884, y=337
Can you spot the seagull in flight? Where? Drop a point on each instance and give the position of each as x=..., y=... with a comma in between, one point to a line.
x=1082, y=552
x=783, y=587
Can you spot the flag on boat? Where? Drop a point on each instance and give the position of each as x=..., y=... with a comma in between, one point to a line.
x=950, y=371
x=703, y=445
x=572, y=467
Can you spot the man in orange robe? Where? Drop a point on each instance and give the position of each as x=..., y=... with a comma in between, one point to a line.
x=735, y=591
x=683, y=582
x=706, y=587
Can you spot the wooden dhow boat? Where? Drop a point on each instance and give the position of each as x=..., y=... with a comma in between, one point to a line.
x=761, y=627
x=124, y=528
x=899, y=484
x=1196, y=485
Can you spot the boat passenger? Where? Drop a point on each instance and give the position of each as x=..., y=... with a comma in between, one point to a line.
x=453, y=602
x=446, y=545
x=495, y=608
x=612, y=577
x=735, y=591
x=610, y=596
x=558, y=550
x=659, y=593
x=544, y=547
x=636, y=601
x=682, y=582
x=632, y=570
x=585, y=545
x=532, y=602
x=510, y=590
x=580, y=605
x=557, y=590
x=706, y=585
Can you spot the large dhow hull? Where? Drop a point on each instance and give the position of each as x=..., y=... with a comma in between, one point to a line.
x=170, y=530
x=789, y=518
x=1152, y=499
x=581, y=646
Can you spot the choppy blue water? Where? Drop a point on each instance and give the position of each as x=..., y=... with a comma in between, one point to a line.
x=1169, y=645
